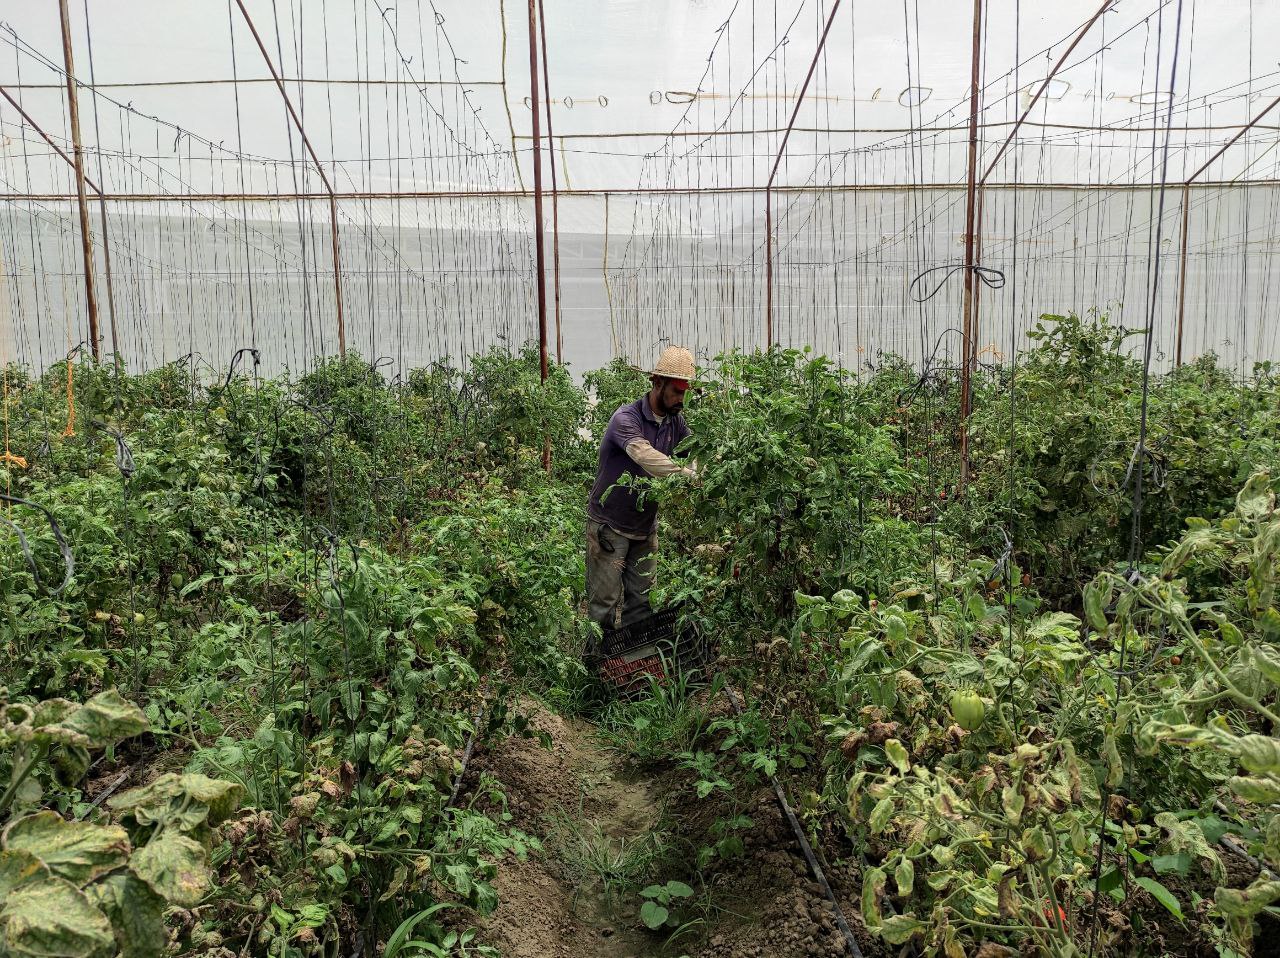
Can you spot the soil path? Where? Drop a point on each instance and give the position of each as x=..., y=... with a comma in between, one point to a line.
x=594, y=814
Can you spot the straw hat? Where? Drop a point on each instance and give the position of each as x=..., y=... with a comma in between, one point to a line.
x=676, y=362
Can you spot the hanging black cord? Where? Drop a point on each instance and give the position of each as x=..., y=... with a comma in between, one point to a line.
x=217, y=394
x=993, y=278
x=927, y=368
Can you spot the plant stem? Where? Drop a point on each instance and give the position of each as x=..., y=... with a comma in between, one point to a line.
x=11, y=792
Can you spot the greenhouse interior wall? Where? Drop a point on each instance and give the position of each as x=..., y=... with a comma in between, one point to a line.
x=185, y=273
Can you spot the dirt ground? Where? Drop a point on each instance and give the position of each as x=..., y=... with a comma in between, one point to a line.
x=764, y=904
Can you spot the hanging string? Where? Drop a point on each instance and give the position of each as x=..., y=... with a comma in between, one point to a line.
x=1135, y=537
x=7, y=456
x=71, y=398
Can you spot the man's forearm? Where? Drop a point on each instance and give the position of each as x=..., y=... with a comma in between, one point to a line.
x=653, y=462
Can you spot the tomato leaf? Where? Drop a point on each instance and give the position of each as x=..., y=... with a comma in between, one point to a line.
x=1162, y=895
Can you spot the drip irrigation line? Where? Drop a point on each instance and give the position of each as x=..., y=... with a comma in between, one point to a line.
x=476, y=718
x=216, y=394
x=816, y=869
x=106, y=793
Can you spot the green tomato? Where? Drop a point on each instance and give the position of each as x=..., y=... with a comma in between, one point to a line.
x=967, y=709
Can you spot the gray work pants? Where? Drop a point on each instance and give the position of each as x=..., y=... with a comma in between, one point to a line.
x=619, y=576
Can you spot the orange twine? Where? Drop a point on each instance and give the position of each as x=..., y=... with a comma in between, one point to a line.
x=71, y=401
x=8, y=456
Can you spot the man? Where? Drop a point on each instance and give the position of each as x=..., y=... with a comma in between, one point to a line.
x=621, y=532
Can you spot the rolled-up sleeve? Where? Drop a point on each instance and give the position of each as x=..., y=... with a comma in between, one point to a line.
x=651, y=461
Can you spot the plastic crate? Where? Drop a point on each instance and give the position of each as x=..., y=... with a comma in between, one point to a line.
x=628, y=656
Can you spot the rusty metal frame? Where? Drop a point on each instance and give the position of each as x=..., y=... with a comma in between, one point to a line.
x=102, y=212
x=226, y=81
x=633, y=191
x=77, y=148
x=555, y=190
x=324, y=178
x=1186, y=222
x=1044, y=85
x=30, y=121
x=538, y=229
x=973, y=218
x=539, y=241
x=768, y=187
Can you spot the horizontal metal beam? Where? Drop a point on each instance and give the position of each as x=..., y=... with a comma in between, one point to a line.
x=218, y=81
x=527, y=194
x=918, y=130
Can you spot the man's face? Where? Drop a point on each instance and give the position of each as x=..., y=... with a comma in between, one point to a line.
x=670, y=394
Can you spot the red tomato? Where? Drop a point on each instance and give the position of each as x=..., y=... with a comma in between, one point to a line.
x=1062, y=915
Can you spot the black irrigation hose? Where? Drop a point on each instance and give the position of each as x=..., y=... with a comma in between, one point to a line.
x=816, y=869
x=992, y=277
x=928, y=368
x=476, y=719
x=1141, y=451
x=124, y=455
x=68, y=560
x=231, y=373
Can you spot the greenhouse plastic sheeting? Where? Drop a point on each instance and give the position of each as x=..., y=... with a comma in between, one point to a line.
x=667, y=119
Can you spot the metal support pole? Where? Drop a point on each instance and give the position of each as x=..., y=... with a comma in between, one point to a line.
x=967, y=324
x=102, y=208
x=337, y=275
x=539, y=250
x=333, y=204
x=768, y=268
x=768, y=186
x=111, y=293
x=608, y=291
x=86, y=238
x=1182, y=273
x=555, y=186
x=973, y=218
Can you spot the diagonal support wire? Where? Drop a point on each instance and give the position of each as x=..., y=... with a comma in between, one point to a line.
x=324, y=178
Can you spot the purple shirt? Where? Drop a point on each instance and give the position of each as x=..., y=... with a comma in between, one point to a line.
x=629, y=423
